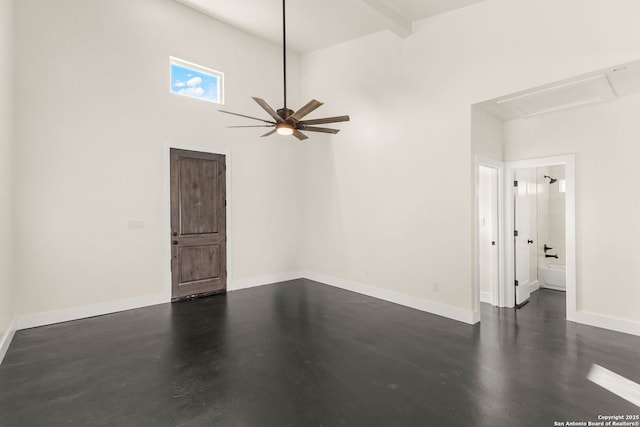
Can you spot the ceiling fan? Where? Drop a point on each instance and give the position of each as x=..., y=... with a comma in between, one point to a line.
x=285, y=121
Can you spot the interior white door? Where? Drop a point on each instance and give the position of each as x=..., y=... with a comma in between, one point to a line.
x=488, y=234
x=521, y=235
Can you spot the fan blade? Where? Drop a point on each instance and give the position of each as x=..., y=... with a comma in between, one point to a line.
x=268, y=109
x=311, y=105
x=325, y=120
x=269, y=133
x=317, y=129
x=256, y=126
x=247, y=117
x=301, y=136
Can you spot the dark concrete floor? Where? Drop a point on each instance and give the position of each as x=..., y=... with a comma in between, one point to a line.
x=305, y=354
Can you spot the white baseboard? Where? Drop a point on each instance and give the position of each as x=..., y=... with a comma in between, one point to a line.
x=608, y=322
x=451, y=312
x=82, y=312
x=455, y=313
x=5, y=341
x=486, y=297
x=555, y=288
x=264, y=280
x=534, y=286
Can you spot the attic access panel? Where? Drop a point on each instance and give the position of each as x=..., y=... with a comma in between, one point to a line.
x=581, y=92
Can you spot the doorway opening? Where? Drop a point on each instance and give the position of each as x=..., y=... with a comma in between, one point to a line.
x=556, y=231
x=539, y=230
x=540, y=220
x=489, y=247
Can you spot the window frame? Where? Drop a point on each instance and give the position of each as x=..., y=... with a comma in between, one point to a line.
x=199, y=69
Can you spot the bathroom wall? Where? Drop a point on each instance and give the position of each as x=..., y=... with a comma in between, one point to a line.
x=556, y=217
x=551, y=215
x=543, y=213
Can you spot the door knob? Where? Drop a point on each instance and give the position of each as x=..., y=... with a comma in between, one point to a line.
x=175, y=242
x=529, y=241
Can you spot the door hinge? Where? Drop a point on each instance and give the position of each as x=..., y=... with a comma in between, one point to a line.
x=517, y=284
x=515, y=183
x=515, y=233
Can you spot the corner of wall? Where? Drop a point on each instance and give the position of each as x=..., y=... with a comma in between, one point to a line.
x=6, y=339
x=7, y=323
x=439, y=309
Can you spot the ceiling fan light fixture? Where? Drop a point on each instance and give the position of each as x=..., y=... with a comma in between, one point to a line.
x=285, y=129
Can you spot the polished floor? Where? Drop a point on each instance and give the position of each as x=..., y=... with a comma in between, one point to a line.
x=304, y=354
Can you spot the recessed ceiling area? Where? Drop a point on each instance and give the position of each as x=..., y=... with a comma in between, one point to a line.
x=601, y=85
x=313, y=25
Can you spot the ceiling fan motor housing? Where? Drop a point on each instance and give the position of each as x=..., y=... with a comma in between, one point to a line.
x=285, y=113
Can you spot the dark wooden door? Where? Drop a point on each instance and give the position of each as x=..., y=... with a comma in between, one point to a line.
x=198, y=224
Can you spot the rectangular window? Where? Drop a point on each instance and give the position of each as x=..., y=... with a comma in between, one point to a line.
x=196, y=81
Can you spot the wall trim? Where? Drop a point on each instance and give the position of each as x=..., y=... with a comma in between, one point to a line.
x=263, y=280
x=444, y=310
x=110, y=307
x=486, y=297
x=91, y=310
x=608, y=322
x=99, y=309
x=6, y=339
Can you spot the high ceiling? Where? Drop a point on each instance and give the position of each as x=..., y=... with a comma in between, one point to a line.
x=313, y=24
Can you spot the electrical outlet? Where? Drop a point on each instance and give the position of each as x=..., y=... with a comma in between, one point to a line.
x=436, y=287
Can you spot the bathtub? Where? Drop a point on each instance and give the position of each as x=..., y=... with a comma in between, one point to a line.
x=553, y=276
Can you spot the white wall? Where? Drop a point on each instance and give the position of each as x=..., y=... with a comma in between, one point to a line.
x=605, y=139
x=487, y=134
x=6, y=145
x=387, y=202
x=93, y=118
x=390, y=197
x=6, y=119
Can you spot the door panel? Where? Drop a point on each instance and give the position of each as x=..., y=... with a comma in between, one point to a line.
x=488, y=232
x=198, y=263
x=198, y=223
x=522, y=226
x=198, y=213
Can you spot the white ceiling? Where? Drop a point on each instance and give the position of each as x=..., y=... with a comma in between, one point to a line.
x=313, y=24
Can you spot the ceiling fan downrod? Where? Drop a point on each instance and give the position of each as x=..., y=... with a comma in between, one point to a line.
x=285, y=121
x=284, y=52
